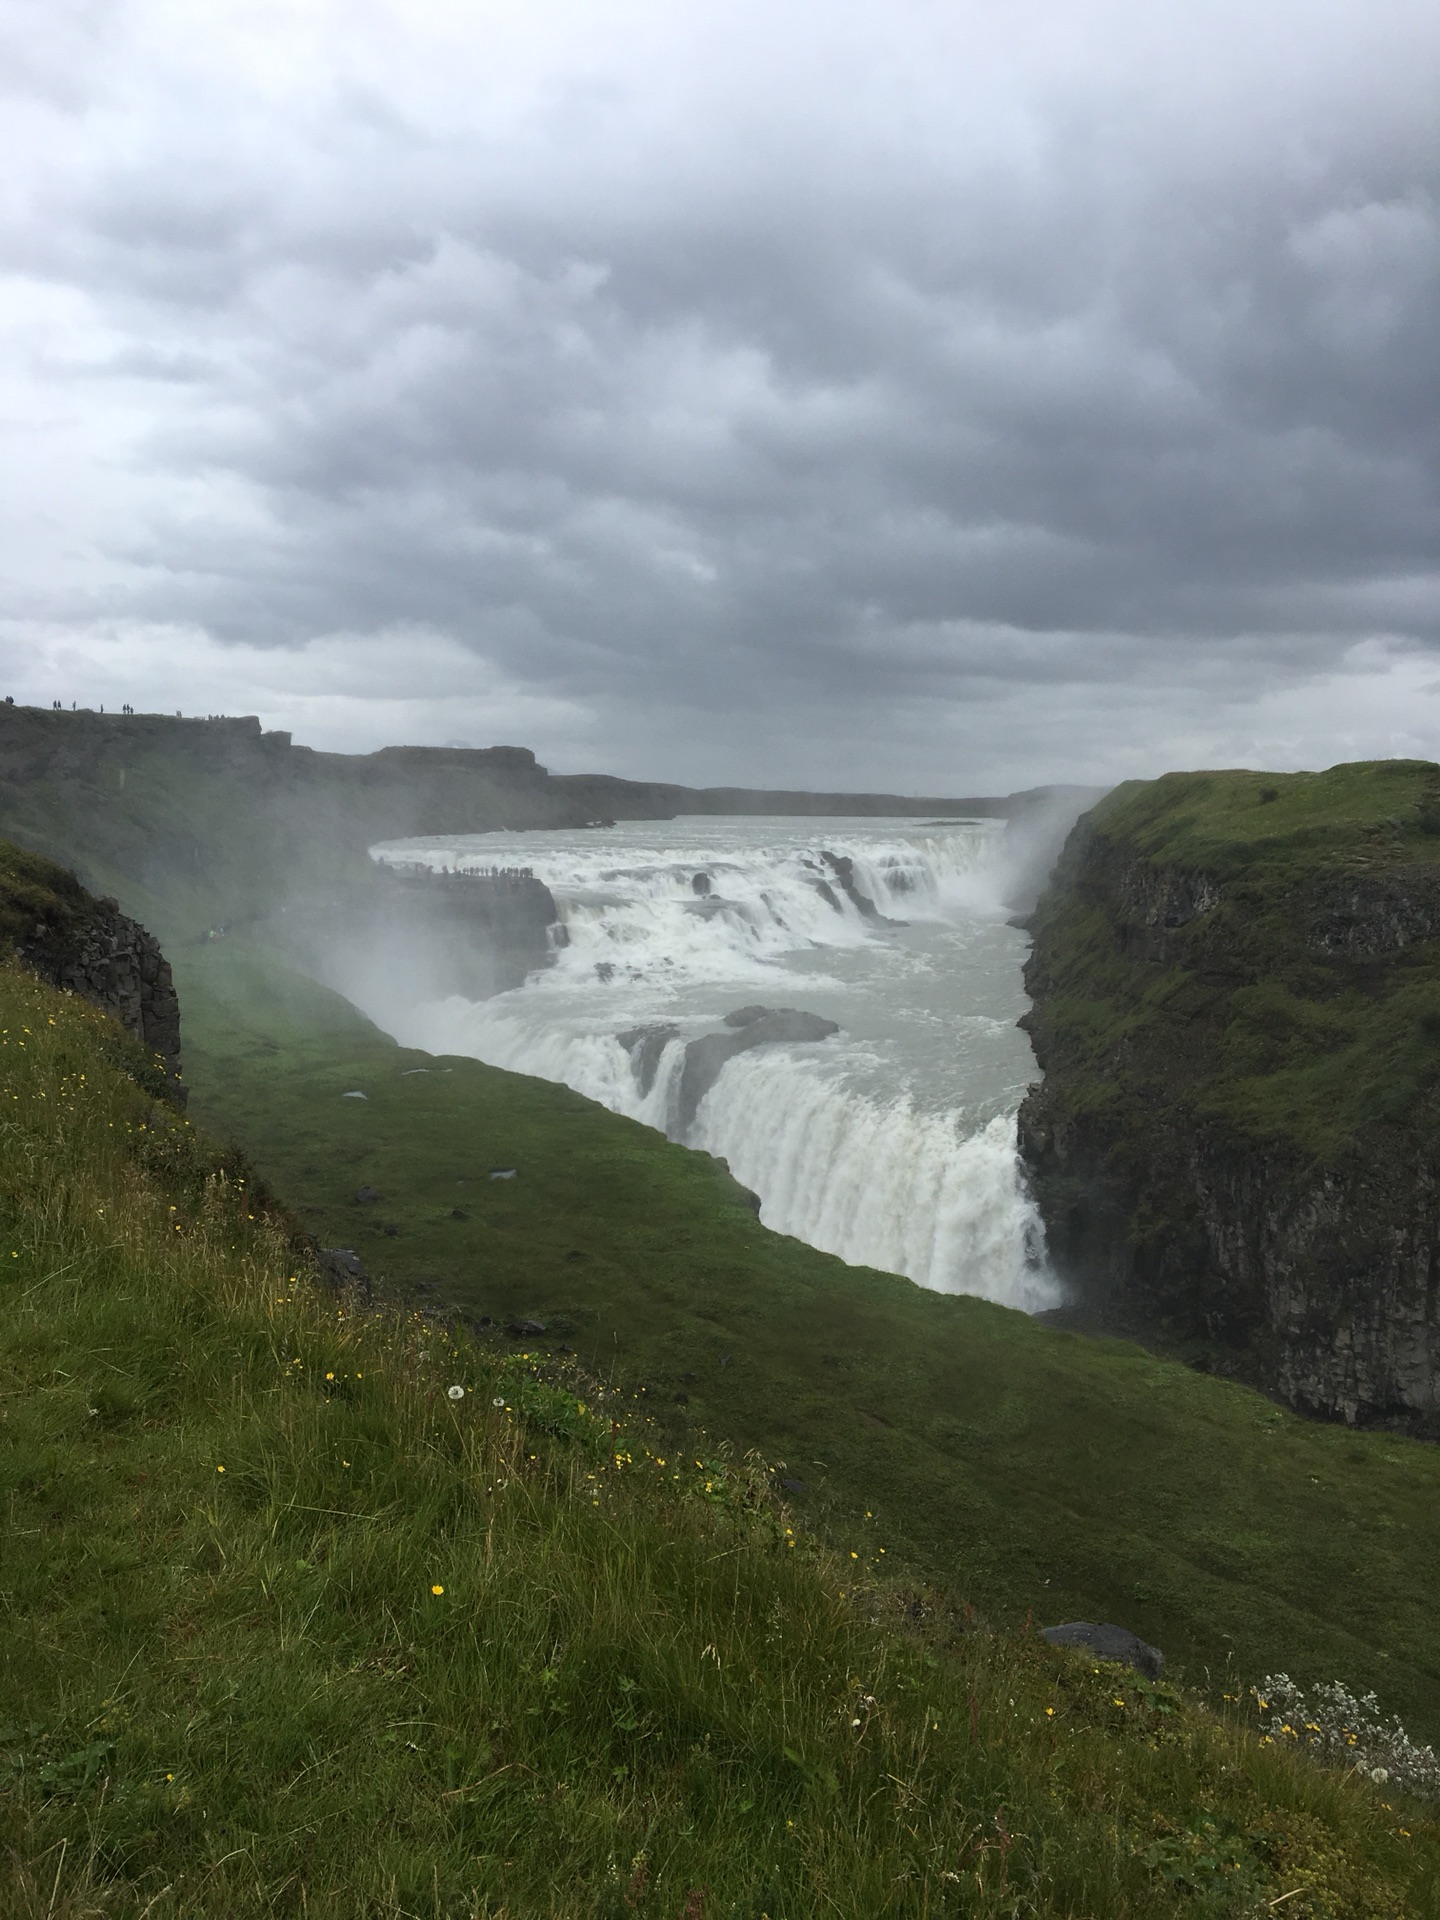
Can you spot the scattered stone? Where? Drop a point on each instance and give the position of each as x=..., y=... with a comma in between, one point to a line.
x=520, y=1329
x=745, y=1016
x=365, y=1195
x=355, y=1096
x=725, y=1359
x=502, y=1173
x=1108, y=1643
x=391, y=1233
x=344, y=1260
x=797, y=1487
x=343, y=1267
x=458, y=1213
x=701, y=884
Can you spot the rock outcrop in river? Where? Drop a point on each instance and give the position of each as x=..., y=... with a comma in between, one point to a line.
x=1236, y=985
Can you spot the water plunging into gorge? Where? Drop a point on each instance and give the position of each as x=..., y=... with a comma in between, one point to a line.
x=890, y=1141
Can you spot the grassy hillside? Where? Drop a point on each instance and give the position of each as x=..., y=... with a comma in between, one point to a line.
x=1247, y=1015
x=1032, y=1470
x=291, y=1627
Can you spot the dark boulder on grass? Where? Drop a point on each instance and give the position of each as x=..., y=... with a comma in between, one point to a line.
x=342, y=1267
x=1108, y=1643
x=343, y=1263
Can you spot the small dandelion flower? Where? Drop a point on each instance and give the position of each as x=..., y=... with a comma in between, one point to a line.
x=498, y=1401
x=854, y=1556
x=219, y=1469
x=437, y=1589
x=455, y=1393
x=329, y=1376
x=1049, y=1713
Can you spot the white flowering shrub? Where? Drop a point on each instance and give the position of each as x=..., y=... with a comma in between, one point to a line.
x=1344, y=1730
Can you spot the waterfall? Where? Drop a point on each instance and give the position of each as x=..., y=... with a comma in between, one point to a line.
x=890, y=1143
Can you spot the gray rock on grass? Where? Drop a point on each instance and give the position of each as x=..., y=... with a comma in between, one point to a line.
x=1108, y=1642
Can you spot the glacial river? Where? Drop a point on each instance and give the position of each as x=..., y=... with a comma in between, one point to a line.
x=890, y=1143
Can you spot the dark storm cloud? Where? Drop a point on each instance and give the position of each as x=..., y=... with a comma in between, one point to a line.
x=715, y=379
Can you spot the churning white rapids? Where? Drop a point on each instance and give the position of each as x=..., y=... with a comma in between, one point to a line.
x=890, y=1143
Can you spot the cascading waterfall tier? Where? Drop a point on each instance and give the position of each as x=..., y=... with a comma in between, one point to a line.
x=890, y=1142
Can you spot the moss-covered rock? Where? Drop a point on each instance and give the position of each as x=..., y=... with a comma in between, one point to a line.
x=87, y=946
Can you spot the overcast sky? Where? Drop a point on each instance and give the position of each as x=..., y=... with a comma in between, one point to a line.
x=941, y=397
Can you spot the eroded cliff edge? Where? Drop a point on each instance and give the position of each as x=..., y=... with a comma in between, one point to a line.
x=87, y=946
x=1236, y=986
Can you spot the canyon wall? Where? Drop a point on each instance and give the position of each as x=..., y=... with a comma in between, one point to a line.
x=1236, y=987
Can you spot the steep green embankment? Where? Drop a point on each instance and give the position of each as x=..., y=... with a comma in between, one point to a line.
x=292, y=1626
x=1026, y=1468
x=1237, y=1007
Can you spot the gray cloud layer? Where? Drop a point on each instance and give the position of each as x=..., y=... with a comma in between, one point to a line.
x=903, y=395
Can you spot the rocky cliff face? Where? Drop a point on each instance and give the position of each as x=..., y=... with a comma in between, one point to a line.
x=87, y=946
x=1236, y=986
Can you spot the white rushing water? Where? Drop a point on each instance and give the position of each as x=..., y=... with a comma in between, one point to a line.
x=890, y=1143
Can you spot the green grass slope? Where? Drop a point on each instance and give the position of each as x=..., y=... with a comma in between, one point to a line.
x=291, y=1627
x=1247, y=1021
x=1030, y=1470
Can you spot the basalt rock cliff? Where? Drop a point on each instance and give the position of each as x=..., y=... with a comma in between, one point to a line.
x=87, y=946
x=1236, y=1145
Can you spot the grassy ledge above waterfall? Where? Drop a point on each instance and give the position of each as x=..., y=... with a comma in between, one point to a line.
x=292, y=1625
x=1331, y=1015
